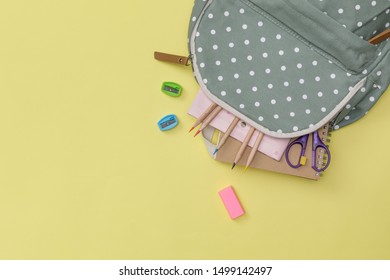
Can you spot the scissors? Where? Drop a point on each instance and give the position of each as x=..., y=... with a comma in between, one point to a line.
x=317, y=144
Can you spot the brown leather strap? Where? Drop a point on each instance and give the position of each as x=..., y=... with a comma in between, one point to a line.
x=380, y=37
x=183, y=60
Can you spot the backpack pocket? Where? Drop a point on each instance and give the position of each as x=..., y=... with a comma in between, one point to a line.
x=325, y=34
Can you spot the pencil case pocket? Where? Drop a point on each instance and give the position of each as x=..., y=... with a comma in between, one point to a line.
x=281, y=66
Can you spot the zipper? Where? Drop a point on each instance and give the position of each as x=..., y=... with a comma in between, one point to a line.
x=182, y=60
x=331, y=124
x=193, y=33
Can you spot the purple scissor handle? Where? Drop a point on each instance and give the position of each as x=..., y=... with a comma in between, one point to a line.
x=301, y=141
x=317, y=144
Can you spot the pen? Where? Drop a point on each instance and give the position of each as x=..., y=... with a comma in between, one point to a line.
x=203, y=116
x=227, y=134
x=243, y=146
x=208, y=119
x=254, y=150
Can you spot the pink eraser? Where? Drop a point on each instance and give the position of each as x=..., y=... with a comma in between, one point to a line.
x=231, y=202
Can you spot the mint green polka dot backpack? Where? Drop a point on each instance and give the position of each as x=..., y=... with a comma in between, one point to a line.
x=288, y=67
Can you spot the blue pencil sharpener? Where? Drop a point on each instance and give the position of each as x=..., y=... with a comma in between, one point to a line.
x=168, y=122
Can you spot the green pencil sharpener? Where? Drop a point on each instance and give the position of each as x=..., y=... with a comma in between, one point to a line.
x=171, y=89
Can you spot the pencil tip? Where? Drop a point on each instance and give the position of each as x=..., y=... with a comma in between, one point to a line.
x=197, y=133
x=234, y=165
x=246, y=168
x=216, y=151
x=192, y=128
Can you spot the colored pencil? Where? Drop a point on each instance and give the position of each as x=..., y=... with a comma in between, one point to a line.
x=227, y=134
x=254, y=150
x=208, y=119
x=203, y=116
x=243, y=146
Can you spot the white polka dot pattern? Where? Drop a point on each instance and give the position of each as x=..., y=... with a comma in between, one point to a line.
x=269, y=74
x=363, y=17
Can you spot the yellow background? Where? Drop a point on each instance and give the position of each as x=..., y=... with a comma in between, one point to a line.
x=86, y=174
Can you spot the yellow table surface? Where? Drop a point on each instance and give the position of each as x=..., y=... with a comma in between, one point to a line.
x=86, y=174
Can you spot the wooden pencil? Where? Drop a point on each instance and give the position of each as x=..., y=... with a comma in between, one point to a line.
x=243, y=146
x=227, y=134
x=203, y=116
x=254, y=150
x=208, y=119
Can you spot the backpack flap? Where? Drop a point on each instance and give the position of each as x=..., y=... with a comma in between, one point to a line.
x=283, y=67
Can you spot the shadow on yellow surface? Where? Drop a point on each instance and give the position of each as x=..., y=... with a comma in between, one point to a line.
x=85, y=172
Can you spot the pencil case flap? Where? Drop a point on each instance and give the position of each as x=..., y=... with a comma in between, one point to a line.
x=283, y=67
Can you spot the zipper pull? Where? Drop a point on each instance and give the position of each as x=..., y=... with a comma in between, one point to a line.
x=183, y=60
